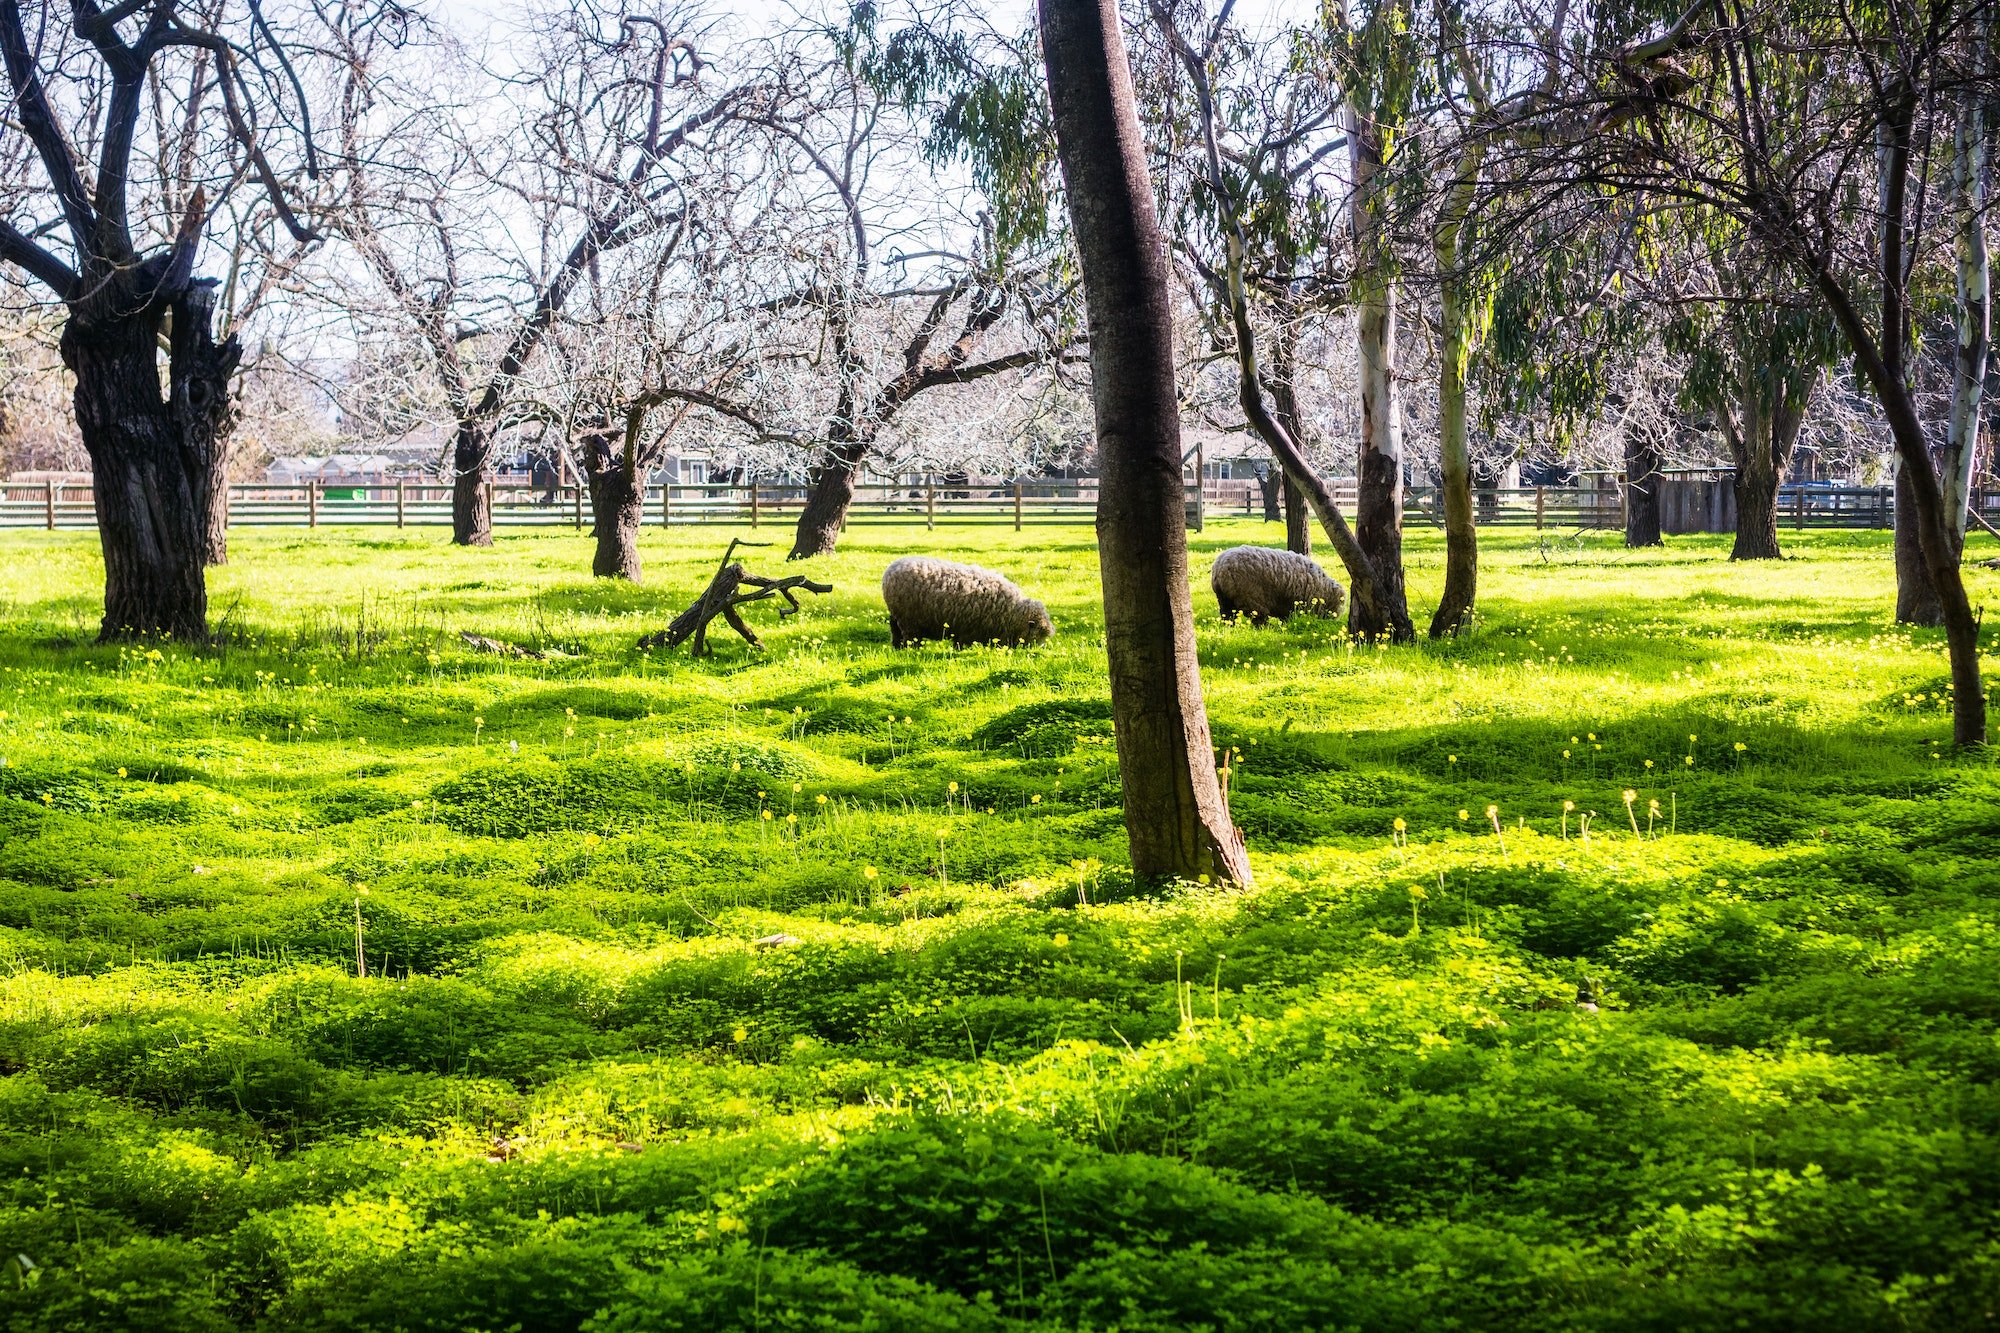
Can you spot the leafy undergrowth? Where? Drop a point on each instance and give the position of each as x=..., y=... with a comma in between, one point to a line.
x=806, y=991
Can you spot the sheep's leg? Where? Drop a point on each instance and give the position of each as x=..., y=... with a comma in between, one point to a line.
x=896, y=636
x=1227, y=607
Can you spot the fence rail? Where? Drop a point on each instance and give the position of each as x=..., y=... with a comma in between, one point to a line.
x=60, y=505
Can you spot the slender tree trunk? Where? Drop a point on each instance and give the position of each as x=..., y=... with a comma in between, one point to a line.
x=1285, y=406
x=471, y=508
x=1461, y=532
x=1642, y=489
x=152, y=459
x=1298, y=520
x=829, y=495
x=1176, y=813
x=1378, y=520
x=1882, y=364
x=1917, y=600
x=1270, y=489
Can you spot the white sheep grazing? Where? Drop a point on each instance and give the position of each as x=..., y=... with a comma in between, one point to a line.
x=938, y=599
x=1261, y=583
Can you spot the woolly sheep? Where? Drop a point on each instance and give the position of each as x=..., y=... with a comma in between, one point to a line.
x=1260, y=582
x=937, y=599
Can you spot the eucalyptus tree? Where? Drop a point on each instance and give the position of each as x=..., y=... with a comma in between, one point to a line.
x=114, y=226
x=1176, y=809
x=1824, y=138
x=1225, y=179
x=1277, y=115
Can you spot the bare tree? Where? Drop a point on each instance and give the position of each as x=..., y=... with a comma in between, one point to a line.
x=116, y=234
x=606, y=109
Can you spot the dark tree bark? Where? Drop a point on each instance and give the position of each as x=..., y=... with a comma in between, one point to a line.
x=1917, y=599
x=1298, y=520
x=617, y=507
x=1642, y=490
x=1378, y=517
x=471, y=506
x=1270, y=489
x=215, y=533
x=851, y=437
x=1285, y=406
x=829, y=495
x=1756, y=515
x=1176, y=812
x=1762, y=428
x=152, y=458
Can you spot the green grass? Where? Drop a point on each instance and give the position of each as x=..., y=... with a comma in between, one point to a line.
x=990, y=1085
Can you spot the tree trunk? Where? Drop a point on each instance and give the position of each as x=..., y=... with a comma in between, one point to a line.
x=1763, y=431
x=471, y=501
x=1917, y=600
x=1461, y=532
x=215, y=534
x=618, y=510
x=1270, y=488
x=152, y=459
x=1378, y=521
x=1298, y=520
x=1756, y=515
x=1285, y=406
x=829, y=495
x=1642, y=490
x=1176, y=812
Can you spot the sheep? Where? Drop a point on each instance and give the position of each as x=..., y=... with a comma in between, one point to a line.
x=937, y=599
x=1260, y=582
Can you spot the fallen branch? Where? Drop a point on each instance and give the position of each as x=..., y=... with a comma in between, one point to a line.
x=479, y=643
x=725, y=593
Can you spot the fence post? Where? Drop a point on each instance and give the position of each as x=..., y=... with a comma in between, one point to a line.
x=50, y=490
x=1799, y=509
x=402, y=501
x=486, y=493
x=1017, y=506
x=312, y=504
x=1541, y=505
x=753, y=502
x=666, y=503
x=930, y=501
x=579, y=506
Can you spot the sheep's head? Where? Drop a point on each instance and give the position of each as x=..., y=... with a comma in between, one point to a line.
x=1036, y=626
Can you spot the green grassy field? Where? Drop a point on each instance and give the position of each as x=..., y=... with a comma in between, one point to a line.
x=805, y=991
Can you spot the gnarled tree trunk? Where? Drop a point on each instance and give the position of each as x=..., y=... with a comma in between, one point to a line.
x=829, y=495
x=1176, y=813
x=215, y=533
x=617, y=505
x=152, y=458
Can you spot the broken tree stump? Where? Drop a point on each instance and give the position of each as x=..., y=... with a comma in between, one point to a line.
x=732, y=587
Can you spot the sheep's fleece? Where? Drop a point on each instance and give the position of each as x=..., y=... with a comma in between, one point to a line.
x=937, y=599
x=1262, y=583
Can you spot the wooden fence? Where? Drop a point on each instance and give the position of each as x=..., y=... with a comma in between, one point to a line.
x=54, y=505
